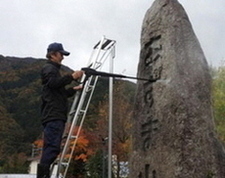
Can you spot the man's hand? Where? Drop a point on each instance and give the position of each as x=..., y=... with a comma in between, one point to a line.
x=79, y=87
x=77, y=74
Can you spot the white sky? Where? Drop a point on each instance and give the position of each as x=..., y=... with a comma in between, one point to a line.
x=28, y=26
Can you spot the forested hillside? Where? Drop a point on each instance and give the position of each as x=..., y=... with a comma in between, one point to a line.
x=20, y=127
x=19, y=104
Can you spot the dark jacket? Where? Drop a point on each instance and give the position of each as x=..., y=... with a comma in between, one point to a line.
x=54, y=95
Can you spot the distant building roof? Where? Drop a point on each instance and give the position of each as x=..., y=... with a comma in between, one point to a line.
x=19, y=176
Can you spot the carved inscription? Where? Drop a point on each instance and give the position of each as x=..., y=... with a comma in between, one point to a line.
x=148, y=96
x=148, y=129
x=150, y=124
x=153, y=49
x=153, y=174
x=146, y=173
x=147, y=167
x=152, y=56
x=140, y=175
x=157, y=72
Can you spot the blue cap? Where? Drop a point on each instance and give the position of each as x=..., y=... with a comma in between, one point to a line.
x=57, y=47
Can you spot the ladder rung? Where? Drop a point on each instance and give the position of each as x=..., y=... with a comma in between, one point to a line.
x=83, y=111
x=104, y=44
x=73, y=137
x=64, y=163
x=72, y=112
x=88, y=89
x=96, y=45
x=90, y=86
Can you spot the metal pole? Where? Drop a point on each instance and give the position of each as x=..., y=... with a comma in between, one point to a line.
x=103, y=161
x=110, y=119
x=104, y=140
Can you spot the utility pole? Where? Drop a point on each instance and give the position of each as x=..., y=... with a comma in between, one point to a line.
x=110, y=118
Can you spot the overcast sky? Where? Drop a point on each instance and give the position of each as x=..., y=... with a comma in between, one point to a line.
x=28, y=26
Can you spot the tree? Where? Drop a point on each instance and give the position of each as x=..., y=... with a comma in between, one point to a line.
x=12, y=158
x=122, y=111
x=219, y=100
x=80, y=154
x=95, y=165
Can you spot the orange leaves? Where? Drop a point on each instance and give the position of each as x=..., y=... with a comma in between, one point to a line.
x=82, y=151
x=38, y=143
x=81, y=156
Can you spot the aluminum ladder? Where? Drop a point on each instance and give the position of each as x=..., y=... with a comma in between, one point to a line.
x=104, y=49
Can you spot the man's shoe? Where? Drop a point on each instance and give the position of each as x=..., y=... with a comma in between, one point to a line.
x=43, y=171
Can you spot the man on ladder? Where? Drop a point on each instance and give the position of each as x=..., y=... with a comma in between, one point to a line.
x=54, y=105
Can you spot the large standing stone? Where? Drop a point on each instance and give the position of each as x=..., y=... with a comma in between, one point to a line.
x=173, y=135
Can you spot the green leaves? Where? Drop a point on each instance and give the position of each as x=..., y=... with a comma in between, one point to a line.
x=218, y=95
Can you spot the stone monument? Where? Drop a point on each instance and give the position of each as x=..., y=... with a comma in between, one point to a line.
x=173, y=128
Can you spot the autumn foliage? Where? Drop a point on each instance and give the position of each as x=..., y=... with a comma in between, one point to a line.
x=20, y=119
x=82, y=151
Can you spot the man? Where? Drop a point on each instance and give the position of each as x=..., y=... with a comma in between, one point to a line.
x=54, y=105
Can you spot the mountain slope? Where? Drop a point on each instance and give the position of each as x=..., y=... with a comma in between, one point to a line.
x=20, y=91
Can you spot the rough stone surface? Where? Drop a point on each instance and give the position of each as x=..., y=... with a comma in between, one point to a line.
x=173, y=127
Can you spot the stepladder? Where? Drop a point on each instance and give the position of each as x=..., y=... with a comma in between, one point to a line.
x=103, y=50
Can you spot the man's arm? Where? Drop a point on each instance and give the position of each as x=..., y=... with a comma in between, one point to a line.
x=71, y=91
x=51, y=79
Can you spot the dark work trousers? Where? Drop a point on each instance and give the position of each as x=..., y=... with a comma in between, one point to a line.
x=53, y=132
